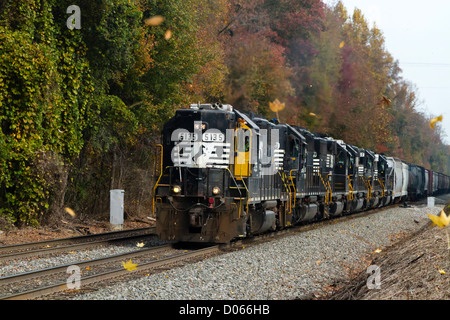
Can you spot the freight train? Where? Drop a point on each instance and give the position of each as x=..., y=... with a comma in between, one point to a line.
x=226, y=175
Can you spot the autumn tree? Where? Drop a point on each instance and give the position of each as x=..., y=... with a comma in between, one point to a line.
x=45, y=89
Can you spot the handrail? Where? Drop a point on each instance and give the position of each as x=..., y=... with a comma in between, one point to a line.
x=330, y=198
x=240, y=194
x=160, y=175
x=368, y=186
x=248, y=193
x=295, y=189
x=327, y=197
x=350, y=188
x=154, y=189
x=382, y=187
x=288, y=189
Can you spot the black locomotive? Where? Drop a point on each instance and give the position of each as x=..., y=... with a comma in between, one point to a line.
x=226, y=174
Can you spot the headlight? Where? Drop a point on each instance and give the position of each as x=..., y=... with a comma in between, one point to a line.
x=216, y=190
x=176, y=189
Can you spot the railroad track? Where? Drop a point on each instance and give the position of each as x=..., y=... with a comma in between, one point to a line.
x=145, y=258
x=73, y=243
x=114, y=271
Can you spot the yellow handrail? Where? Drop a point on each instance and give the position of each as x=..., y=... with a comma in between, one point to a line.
x=329, y=186
x=329, y=195
x=240, y=199
x=368, y=186
x=248, y=193
x=382, y=187
x=287, y=189
x=350, y=188
x=154, y=190
x=293, y=185
x=160, y=175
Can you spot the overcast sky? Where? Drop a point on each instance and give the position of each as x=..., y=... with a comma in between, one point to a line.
x=417, y=34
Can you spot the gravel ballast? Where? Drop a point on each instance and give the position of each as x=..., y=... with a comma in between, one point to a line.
x=293, y=267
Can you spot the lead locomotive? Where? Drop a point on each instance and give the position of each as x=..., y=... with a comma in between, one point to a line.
x=226, y=175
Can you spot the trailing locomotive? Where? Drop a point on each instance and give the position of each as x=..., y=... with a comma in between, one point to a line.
x=226, y=174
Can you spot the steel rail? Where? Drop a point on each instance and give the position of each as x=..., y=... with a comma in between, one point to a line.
x=51, y=270
x=36, y=293
x=80, y=246
x=29, y=245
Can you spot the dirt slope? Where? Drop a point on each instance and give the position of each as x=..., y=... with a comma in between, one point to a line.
x=418, y=267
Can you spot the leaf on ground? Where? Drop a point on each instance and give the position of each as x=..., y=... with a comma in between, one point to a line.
x=130, y=266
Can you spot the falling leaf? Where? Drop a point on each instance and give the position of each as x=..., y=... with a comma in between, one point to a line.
x=168, y=35
x=378, y=251
x=441, y=271
x=140, y=244
x=441, y=221
x=386, y=100
x=276, y=105
x=434, y=120
x=341, y=45
x=312, y=114
x=88, y=268
x=129, y=265
x=70, y=212
x=154, y=21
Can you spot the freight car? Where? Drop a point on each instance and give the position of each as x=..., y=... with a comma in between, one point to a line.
x=226, y=174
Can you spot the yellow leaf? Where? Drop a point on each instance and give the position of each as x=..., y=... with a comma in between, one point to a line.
x=129, y=265
x=441, y=271
x=276, y=106
x=168, y=35
x=70, y=212
x=140, y=244
x=341, y=44
x=154, y=21
x=434, y=120
x=378, y=251
x=441, y=221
